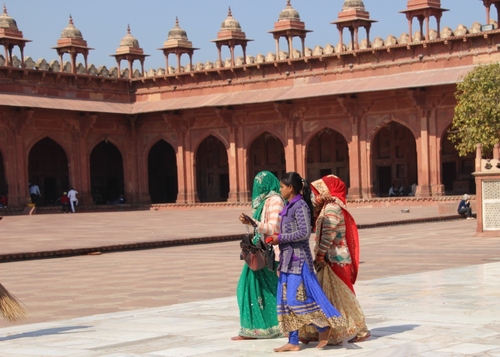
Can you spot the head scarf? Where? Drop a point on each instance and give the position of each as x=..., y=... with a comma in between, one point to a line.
x=265, y=185
x=331, y=189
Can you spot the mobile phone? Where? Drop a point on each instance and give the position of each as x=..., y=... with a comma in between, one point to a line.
x=249, y=219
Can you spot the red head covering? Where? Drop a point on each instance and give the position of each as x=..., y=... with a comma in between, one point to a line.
x=332, y=189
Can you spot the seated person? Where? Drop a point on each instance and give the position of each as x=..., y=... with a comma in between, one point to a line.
x=4, y=200
x=464, y=207
x=65, y=202
x=393, y=191
x=413, y=190
x=119, y=201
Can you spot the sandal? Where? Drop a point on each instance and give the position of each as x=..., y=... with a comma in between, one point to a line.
x=360, y=338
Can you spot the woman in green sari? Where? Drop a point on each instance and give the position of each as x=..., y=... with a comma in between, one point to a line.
x=256, y=292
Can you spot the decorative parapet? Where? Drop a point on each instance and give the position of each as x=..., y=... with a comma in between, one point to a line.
x=340, y=49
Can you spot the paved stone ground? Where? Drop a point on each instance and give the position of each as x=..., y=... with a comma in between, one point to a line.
x=61, y=289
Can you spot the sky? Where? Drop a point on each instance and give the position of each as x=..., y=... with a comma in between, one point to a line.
x=103, y=24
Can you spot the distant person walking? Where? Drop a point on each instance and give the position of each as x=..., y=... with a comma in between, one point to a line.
x=35, y=193
x=73, y=200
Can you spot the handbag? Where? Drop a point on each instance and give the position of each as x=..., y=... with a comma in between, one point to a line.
x=270, y=257
x=253, y=255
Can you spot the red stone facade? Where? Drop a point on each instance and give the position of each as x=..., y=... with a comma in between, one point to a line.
x=375, y=116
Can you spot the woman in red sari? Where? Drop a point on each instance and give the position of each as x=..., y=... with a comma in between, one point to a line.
x=337, y=247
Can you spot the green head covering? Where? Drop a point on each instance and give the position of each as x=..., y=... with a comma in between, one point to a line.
x=265, y=185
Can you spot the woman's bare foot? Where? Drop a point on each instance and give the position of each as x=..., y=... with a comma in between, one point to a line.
x=287, y=347
x=323, y=338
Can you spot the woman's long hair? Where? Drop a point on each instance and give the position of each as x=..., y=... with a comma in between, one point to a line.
x=300, y=186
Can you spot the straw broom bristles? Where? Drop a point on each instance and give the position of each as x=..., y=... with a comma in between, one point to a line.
x=10, y=307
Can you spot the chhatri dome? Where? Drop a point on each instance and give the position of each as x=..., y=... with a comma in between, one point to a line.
x=289, y=13
x=7, y=22
x=129, y=40
x=353, y=4
x=176, y=33
x=71, y=31
x=230, y=23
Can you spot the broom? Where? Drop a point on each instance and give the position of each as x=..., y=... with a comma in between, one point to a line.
x=10, y=307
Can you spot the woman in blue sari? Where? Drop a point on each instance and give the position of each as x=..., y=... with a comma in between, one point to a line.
x=300, y=300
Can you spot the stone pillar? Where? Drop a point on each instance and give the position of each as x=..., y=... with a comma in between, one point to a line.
x=437, y=188
x=227, y=116
x=186, y=183
x=16, y=165
x=285, y=113
x=358, y=159
x=419, y=101
x=245, y=193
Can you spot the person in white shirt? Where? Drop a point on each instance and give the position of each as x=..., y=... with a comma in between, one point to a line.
x=34, y=193
x=73, y=200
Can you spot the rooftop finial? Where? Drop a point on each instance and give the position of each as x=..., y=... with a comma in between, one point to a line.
x=176, y=21
x=71, y=20
x=4, y=9
x=288, y=4
x=229, y=13
x=128, y=29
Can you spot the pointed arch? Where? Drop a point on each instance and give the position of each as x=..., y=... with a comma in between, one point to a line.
x=48, y=168
x=266, y=152
x=106, y=172
x=162, y=172
x=393, y=158
x=212, y=170
x=327, y=153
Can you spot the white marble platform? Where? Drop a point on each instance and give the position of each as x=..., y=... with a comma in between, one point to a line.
x=454, y=312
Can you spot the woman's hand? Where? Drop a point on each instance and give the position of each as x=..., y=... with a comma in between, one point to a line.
x=274, y=240
x=243, y=220
x=319, y=264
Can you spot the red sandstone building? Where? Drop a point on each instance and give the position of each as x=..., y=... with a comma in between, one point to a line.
x=374, y=112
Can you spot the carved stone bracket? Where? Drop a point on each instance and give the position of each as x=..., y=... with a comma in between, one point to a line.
x=353, y=108
x=290, y=113
x=19, y=120
x=133, y=119
x=419, y=100
x=178, y=123
x=87, y=122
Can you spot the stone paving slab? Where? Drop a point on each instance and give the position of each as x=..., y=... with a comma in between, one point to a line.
x=444, y=313
x=84, y=232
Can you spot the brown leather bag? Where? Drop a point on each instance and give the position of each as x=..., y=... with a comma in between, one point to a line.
x=253, y=255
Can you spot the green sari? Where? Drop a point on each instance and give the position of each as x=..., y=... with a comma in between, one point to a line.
x=256, y=291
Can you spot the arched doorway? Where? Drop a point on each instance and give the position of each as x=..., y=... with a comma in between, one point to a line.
x=212, y=171
x=328, y=153
x=48, y=168
x=265, y=153
x=456, y=171
x=106, y=173
x=162, y=173
x=394, y=159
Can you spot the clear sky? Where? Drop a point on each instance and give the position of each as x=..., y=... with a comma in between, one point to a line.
x=103, y=24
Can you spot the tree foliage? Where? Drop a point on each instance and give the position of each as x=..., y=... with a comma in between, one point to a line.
x=477, y=114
